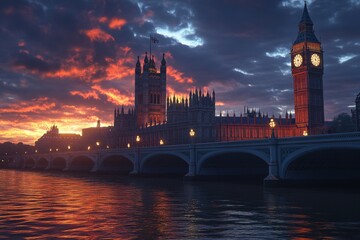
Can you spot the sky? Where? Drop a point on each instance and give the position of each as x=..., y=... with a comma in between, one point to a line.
x=71, y=63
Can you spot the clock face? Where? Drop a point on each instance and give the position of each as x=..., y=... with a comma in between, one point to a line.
x=315, y=59
x=297, y=60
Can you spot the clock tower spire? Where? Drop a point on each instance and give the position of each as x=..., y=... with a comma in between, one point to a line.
x=307, y=70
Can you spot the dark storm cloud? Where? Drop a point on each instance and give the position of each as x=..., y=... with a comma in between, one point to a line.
x=70, y=62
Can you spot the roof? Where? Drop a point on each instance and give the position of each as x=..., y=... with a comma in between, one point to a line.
x=306, y=31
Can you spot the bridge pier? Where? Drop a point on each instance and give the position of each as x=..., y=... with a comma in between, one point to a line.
x=67, y=167
x=273, y=178
x=96, y=163
x=136, y=170
x=192, y=163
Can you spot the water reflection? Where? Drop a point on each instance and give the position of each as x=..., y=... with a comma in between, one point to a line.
x=53, y=205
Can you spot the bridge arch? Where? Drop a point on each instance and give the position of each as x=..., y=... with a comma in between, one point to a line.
x=116, y=163
x=246, y=164
x=82, y=163
x=42, y=163
x=58, y=163
x=29, y=163
x=331, y=162
x=165, y=164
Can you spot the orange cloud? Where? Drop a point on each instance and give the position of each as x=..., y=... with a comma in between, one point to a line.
x=96, y=34
x=35, y=105
x=117, y=23
x=85, y=95
x=172, y=92
x=114, y=96
x=102, y=19
x=84, y=73
x=219, y=103
x=118, y=70
x=178, y=76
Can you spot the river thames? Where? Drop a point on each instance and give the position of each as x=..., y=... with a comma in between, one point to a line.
x=55, y=205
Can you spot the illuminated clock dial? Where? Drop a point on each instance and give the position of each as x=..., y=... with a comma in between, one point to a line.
x=315, y=59
x=297, y=60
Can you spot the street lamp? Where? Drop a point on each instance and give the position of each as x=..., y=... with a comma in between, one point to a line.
x=305, y=133
x=50, y=150
x=36, y=151
x=107, y=146
x=128, y=145
x=272, y=125
x=97, y=143
x=138, y=138
x=69, y=147
x=89, y=148
x=57, y=149
x=161, y=142
x=192, y=133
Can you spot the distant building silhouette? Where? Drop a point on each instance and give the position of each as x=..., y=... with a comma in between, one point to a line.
x=54, y=141
x=96, y=137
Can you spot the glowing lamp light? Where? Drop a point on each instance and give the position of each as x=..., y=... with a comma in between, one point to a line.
x=25, y=152
x=88, y=148
x=35, y=150
x=107, y=146
x=97, y=143
x=69, y=147
x=272, y=123
x=138, y=138
x=50, y=150
x=192, y=133
x=305, y=133
x=57, y=149
x=128, y=145
x=161, y=142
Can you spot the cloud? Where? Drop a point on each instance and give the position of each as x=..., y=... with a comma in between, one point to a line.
x=178, y=76
x=115, y=96
x=185, y=35
x=85, y=95
x=345, y=58
x=243, y=72
x=280, y=52
x=33, y=106
x=96, y=34
x=117, y=23
x=295, y=3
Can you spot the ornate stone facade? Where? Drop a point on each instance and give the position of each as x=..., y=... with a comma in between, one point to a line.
x=160, y=120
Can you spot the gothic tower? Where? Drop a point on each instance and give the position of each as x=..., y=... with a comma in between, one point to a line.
x=150, y=92
x=307, y=69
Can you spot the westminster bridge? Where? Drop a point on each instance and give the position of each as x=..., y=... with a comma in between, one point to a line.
x=321, y=157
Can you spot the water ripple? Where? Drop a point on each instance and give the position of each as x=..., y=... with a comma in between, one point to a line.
x=35, y=205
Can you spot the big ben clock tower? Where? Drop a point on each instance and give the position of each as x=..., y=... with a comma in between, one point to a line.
x=307, y=69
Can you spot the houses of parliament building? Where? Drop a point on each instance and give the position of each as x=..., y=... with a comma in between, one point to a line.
x=157, y=116
x=159, y=119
